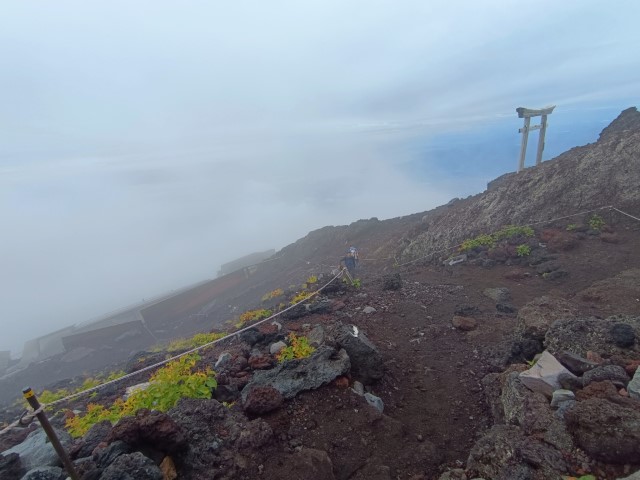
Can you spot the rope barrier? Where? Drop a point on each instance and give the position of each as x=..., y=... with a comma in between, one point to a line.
x=627, y=214
x=31, y=415
x=551, y=220
x=175, y=357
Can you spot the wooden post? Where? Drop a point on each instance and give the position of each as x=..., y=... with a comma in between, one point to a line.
x=527, y=113
x=543, y=129
x=46, y=426
x=525, y=139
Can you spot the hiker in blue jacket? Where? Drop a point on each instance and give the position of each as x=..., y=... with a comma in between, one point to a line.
x=350, y=260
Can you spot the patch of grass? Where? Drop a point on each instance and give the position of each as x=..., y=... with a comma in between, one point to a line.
x=479, y=241
x=490, y=241
x=252, y=316
x=298, y=348
x=571, y=227
x=176, y=380
x=523, y=250
x=299, y=297
x=48, y=396
x=278, y=292
x=356, y=282
x=596, y=222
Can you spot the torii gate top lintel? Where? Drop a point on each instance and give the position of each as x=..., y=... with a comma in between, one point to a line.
x=530, y=112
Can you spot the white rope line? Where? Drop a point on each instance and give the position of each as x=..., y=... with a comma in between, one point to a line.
x=525, y=225
x=11, y=425
x=28, y=414
x=163, y=362
x=625, y=213
x=568, y=216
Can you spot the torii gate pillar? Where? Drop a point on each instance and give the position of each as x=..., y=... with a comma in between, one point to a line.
x=527, y=113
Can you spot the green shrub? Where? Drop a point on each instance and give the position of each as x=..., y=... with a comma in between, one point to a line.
x=596, y=222
x=48, y=396
x=272, y=294
x=510, y=231
x=480, y=240
x=253, y=315
x=298, y=348
x=299, y=297
x=523, y=250
x=490, y=241
x=169, y=384
x=571, y=227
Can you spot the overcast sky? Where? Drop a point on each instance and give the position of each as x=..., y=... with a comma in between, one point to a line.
x=144, y=143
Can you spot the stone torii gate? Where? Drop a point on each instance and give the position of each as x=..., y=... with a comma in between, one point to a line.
x=527, y=113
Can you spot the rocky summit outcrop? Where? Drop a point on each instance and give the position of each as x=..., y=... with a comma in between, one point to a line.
x=592, y=176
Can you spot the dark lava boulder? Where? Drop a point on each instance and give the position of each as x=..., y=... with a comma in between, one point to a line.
x=607, y=431
x=150, y=429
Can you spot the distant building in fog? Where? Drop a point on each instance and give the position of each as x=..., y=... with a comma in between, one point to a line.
x=245, y=261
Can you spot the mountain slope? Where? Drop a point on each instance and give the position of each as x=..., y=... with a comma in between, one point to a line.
x=606, y=172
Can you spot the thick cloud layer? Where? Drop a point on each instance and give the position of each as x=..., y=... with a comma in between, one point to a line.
x=144, y=143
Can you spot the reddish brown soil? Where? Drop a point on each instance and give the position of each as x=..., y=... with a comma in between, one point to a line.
x=433, y=370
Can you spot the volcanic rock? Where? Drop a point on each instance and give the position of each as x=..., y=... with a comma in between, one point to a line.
x=605, y=430
x=262, y=399
x=366, y=362
x=150, y=429
x=294, y=376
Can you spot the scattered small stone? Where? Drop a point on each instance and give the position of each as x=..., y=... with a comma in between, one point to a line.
x=563, y=407
x=168, y=469
x=464, y=323
x=631, y=367
x=341, y=382
x=276, y=347
x=623, y=335
x=369, y=310
x=374, y=401
x=358, y=388
x=570, y=382
x=634, y=385
x=316, y=336
x=560, y=396
x=506, y=308
x=223, y=359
